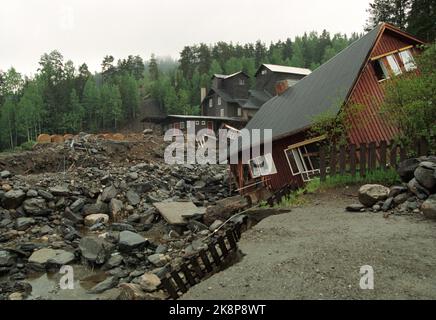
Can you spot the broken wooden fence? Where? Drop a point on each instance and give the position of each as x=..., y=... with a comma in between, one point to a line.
x=203, y=264
x=364, y=158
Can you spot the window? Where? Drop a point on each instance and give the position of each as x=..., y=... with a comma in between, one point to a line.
x=190, y=124
x=197, y=123
x=210, y=103
x=380, y=70
x=221, y=112
x=408, y=61
x=262, y=166
x=263, y=72
x=182, y=125
x=393, y=64
x=303, y=158
x=203, y=123
x=241, y=82
x=239, y=112
x=219, y=101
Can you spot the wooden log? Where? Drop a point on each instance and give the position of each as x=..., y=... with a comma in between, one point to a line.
x=225, y=208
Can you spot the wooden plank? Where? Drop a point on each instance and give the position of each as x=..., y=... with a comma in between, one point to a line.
x=393, y=155
x=306, y=142
x=333, y=161
x=322, y=163
x=362, y=164
x=391, y=52
x=383, y=147
x=342, y=159
x=353, y=159
x=179, y=281
x=206, y=261
x=372, y=156
x=231, y=239
x=188, y=275
x=222, y=245
x=215, y=255
x=168, y=286
x=196, y=267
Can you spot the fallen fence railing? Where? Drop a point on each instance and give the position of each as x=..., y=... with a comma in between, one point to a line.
x=203, y=264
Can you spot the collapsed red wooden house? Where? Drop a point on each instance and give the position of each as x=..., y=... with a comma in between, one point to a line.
x=354, y=76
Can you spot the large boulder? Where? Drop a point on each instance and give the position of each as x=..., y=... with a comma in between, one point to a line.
x=424, y=174
x=149, y=282
x=130, y=240
x=406, y=169
x=94, y=249
x=23, y=223
x=13, y=199
x=428, y=208
x=109, y=193
x=417, y=189
x=133, y=197
x=46, y=255
x=106, y=284
x=92, y=219
x=7, y=259
x=370, y=194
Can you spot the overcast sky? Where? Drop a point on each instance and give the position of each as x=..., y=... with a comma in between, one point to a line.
x=87, y=30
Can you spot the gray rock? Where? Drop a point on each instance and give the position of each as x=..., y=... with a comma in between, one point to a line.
x=158, y=260
x=401, y=198
x=97, y=207
x=370, y=194
x=129, y=240
x=109, y=283
x=115, y=261
x=388, y=204
x=7, y=259
x=115, y=208
x=355, y=207
x=92, y=219
x=396, y=190
x=133, y=197
x=77, y=205
x=109, y=193
x=45, y=194
x=376, y=208
x=149, y=282
x=428, y=208
x=23, y=223
x=13, y=199
x=5, y=174
x=61, y=190
x=94, y=249
x=121, y=227
x=131, y=176
x=417, y=189
x=32, y=193
x=215, y=225
x=180, y=184
x=73, y=217
x=425, y=177
x=407, y=168
x=35, y=206
x=46, y=255
x=161, y=249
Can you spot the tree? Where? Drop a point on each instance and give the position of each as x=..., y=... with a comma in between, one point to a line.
x=422, y=19
x=153, y=68
x=391, y=11
x=107, y=68
x=73, y=119
x=91, y=103
x=7, y=123
x=128, y=89
x=30, y=111
x=410, y=101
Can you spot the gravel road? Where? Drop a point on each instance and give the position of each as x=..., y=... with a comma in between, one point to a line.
x=316, y=252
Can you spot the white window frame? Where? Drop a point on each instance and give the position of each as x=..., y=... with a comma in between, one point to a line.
x=241, y=82
x=222, y=112
x=393, y=64
x=307, y=171
x=261, y=171
x=264, y=72
x=385, y=70
x=219, y=101
x=197, y=123
x=408, y=60
x=203, y=123
x=211, y=103
x=239, y=112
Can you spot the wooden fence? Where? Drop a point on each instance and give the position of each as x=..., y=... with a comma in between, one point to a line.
x=364, y=158
x=203, y=264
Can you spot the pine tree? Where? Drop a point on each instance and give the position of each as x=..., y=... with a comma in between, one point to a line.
x=422, y=19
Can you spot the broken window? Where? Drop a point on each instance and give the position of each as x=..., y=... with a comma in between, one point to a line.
x=386, y=66
x=303, y=158
x=381, y=70
x=262, y=166
x=393, y=64
x=408, y=61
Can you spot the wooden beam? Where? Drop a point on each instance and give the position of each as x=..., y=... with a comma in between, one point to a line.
x=391, y=52
x=306, y=142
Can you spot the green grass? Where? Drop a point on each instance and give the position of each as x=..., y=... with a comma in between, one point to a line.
x=387, y=178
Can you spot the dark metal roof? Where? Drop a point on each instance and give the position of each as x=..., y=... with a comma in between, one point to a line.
x=256, y=99
x=325, y=89
x=225, y=96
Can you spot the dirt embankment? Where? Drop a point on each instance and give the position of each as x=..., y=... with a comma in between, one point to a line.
x=316, y=252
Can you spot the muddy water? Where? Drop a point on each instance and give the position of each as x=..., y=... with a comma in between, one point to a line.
x=46, y=286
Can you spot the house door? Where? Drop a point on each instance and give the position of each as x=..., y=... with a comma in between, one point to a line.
x=210, y=125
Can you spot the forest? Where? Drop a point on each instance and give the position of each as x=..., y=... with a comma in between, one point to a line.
x=64, y=98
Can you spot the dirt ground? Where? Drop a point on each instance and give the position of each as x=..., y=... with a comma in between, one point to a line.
x=316, y=252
